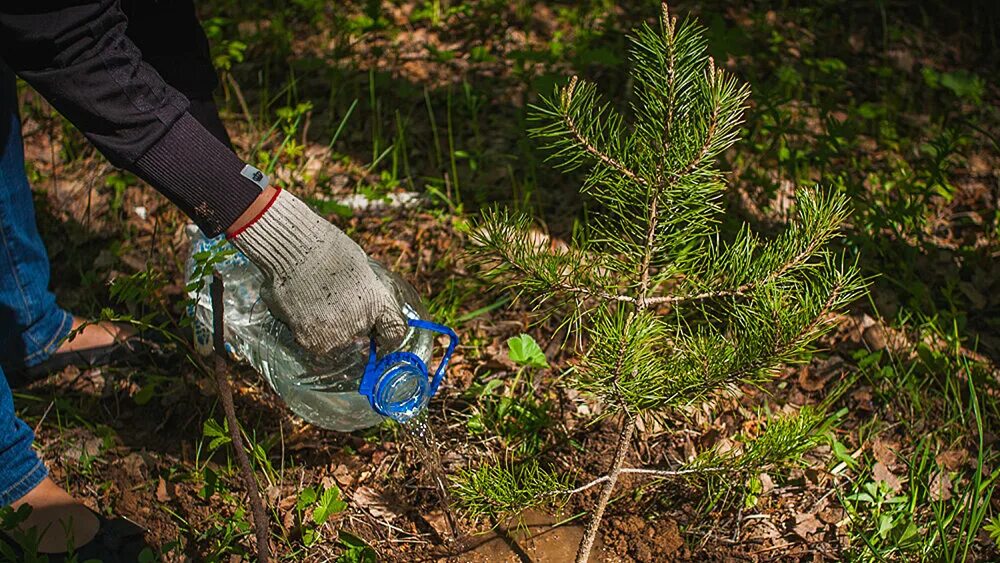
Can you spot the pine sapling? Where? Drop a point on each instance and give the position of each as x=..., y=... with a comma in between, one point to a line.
x=668, y=310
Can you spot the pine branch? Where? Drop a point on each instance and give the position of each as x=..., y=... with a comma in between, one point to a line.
x=670, y=367
x=782, y=442
x=666, y=67
x=666, y=299
x=784, y=349
x=784, y=438
x=746, y=264
x=644, y=471
x=667, y=26
x=648, y=253
x=502, y=487
x=580, y=127
x=713, y=123
x=741, y=291
x=587, y=144
x=511, y=251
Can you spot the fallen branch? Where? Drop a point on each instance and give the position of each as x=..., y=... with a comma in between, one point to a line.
x=260, y=519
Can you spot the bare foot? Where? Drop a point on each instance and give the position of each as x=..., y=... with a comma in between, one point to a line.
x=95, y=335
x=60, y=520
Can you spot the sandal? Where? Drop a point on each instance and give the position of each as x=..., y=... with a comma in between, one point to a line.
x=124, y=352
x=117, y=541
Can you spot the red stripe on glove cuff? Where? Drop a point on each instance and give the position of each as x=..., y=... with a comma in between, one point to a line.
x=257, y=218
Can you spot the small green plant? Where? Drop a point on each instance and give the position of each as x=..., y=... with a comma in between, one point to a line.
x=217, y=435
x=671, y=309
x=992, y=527
x=27, y=541
x=934, y=512
x=355, y=550
x=224, y=535
x=887, y=516
x=324, y=503
x=118, y=182
x=518, y=416
x=526, y=352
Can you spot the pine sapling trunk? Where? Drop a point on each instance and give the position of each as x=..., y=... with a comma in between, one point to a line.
x=621, y=452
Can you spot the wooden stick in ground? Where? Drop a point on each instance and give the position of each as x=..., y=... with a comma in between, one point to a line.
x=260, y=519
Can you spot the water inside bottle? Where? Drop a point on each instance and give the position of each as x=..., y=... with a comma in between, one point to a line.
x=324, y=390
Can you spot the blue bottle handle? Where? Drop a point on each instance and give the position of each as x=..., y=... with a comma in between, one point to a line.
x=452, y=342
x=375, y=368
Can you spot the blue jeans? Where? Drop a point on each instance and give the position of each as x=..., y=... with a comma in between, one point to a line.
x=31, y=324
x=20, y=468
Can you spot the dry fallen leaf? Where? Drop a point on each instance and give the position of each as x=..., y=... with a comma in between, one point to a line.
x=832, y=515
x=164, y=490
x=811, y=382
x=761, y=530
x=438, y=521
x=863, y=398
x=373, y=502
x=806, y=524
x=134, y=466
x=343, y=475
x=874, y=337
x=952, y=459
x=884, y=451
x=881, y=473
x=766, y=483
x=940, y=486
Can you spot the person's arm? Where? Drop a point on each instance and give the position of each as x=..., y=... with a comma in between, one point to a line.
x=77, y=55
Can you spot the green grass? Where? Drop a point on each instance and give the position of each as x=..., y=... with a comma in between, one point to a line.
x=936, y=509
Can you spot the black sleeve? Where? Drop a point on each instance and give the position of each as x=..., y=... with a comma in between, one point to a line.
x=173, y=42
x=77, y=55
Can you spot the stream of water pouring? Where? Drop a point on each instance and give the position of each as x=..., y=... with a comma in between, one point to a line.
x=418, y=433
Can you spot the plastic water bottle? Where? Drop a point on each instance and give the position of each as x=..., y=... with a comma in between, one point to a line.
x=352, y=387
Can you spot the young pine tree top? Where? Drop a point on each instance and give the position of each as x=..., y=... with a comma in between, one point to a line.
x=672, y=310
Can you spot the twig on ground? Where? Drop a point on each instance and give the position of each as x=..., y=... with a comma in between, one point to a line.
x=238, y=92
x=44, y=416
x=260, y=518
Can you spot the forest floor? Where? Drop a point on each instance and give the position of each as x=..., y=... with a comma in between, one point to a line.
x=898, y=109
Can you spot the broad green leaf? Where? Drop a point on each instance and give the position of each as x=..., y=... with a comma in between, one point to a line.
x=306, y=498
x=526, y=352
x=329, y=503
x=884, y=525
x=211, y=483
x=145, y=394
x=218, y=433
x=356, y=550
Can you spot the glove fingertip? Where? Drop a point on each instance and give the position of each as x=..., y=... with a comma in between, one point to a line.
x=390, y=329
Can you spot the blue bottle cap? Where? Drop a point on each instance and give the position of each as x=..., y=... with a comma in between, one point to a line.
x=398, y=386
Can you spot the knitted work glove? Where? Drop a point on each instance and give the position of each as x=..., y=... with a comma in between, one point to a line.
x=318, y=281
